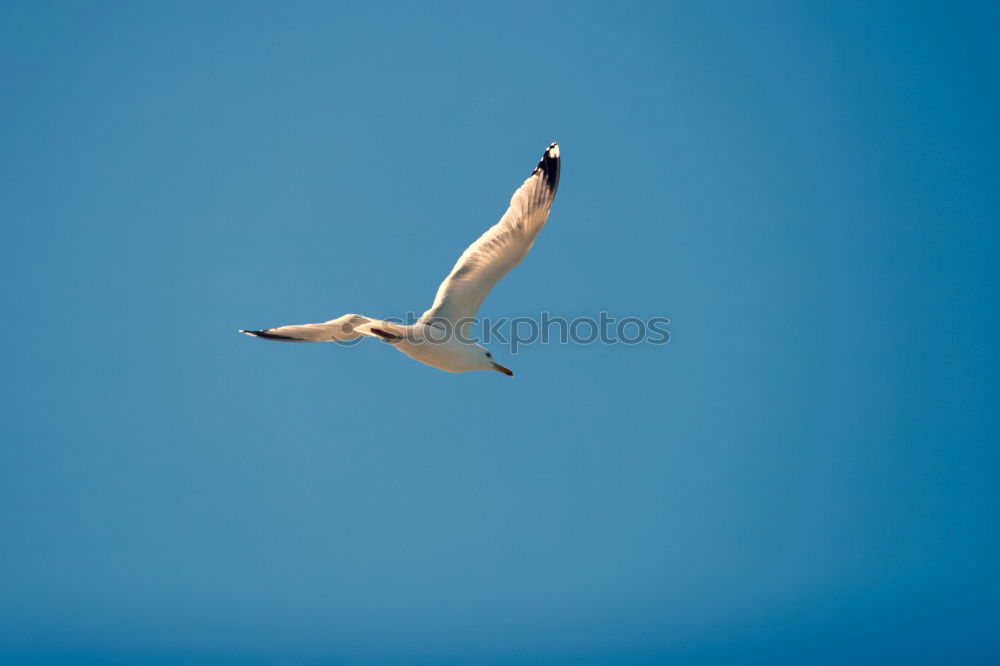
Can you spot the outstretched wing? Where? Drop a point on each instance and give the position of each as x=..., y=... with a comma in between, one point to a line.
x=348, y=327
x=500, y=249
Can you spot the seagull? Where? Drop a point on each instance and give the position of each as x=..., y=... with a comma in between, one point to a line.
x=440, y=338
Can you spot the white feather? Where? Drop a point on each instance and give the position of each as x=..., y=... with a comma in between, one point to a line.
x=500, y=249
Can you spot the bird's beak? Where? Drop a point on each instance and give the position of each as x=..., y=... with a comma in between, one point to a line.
x=500, y=368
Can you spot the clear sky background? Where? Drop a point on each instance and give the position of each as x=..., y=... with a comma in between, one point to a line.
x=806, y=473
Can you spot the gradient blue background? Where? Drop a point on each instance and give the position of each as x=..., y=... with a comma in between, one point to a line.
x=805, y=474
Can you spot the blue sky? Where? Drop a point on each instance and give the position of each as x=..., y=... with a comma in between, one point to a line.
x=806, y=473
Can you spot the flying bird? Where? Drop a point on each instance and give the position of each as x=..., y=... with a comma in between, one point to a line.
x=440, y=338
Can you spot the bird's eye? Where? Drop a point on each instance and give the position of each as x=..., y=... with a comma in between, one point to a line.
x=489, y=355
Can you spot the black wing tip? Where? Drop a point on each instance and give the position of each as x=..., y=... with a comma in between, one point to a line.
x=265, y=334
x=548, y=166
x=386, y=335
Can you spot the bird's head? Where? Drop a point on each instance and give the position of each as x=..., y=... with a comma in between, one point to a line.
x=486, y=362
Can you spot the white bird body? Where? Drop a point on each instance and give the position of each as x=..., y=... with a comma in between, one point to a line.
x=423, y=343
x=440, y=336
